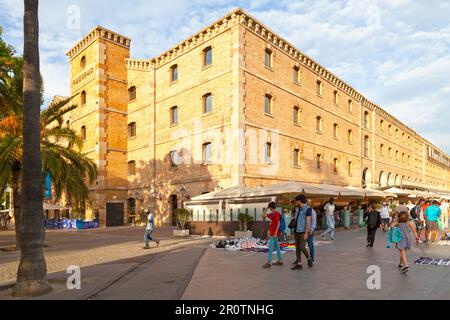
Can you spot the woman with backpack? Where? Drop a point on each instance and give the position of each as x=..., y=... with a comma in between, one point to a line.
x=407, y=230
x=274, y=233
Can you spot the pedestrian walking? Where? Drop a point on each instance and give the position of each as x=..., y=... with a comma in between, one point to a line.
x=444, y=213
x=330, y=208
x=408, y=231
x=312, y=230
x=385, y=214
x=373, y=221
x=149, y=229
x=432, y=214
x=302, y=229
x=274, y=233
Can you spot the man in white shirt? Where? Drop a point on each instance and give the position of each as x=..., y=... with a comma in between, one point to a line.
x=330, y=208
x=385, y=214
x=444, y=213
x=149, y=229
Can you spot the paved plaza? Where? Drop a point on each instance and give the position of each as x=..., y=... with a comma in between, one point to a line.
x=114, y=266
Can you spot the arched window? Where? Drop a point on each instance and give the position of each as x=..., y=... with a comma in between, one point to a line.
x=335, y=165
x=296, y=115
x=83, y=98
x=319, y=87
x=336, y=97
x=132, y=93
x=132, y=168
x=382, y=150
x=268, y=104
x=132, y=130
x=382, y=125
x=83, y=62
x=366, y=146
x=319, y=124
x=366, y=119
x=296, y=73
x=83, y=133
x=350, y=106
x=268, y=58
x=335, y=130
x=207, y=56
x=207, y=103
x=174, y=73
x=296, y=156
x=350, y=136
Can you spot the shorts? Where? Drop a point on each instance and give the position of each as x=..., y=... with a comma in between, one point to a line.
x=432, y=226
x=385, y=221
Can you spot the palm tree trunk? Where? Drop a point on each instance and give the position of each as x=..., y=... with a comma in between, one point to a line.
x=16, y=200
x=32, y=272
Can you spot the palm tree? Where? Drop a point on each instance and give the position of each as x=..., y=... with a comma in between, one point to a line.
x=32, y=272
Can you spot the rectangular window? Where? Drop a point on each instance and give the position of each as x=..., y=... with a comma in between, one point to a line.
x=350, y=136
x=319, y=87
x=366, y=120
x=207, y=152
x=268, y=58
x=336, y=97
x=207, y=103
x=335, y=131
x=350, y=106
x=268, y=152
x=296, y=156
x=349, y=168
x=174, y=115
x=318, y=156
x=207, y=56
x=174, y=73
x=335, y=165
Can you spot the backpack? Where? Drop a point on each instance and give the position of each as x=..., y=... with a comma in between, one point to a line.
x=396, y=235
x=413, y=212
x=282, y=223
x=372, y=219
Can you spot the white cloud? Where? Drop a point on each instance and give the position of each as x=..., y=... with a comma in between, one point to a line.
x=397, y=53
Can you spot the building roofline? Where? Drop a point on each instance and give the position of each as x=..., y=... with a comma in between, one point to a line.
x=98, y=32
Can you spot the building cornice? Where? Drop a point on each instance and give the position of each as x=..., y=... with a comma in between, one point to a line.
x=139, y=64
x=98, y=32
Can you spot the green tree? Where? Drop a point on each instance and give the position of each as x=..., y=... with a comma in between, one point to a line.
x=32, y=144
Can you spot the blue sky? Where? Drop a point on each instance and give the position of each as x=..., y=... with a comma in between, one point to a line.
x=395, y=52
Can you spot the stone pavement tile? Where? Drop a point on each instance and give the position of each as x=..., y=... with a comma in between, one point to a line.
x=340, y=273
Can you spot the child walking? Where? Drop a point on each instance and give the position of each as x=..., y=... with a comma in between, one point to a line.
x=408, y=230
x=274, y=232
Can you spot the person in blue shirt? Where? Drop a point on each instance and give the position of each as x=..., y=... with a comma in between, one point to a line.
x=432, y=214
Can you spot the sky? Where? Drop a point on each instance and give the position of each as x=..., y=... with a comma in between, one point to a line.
x=395, y=52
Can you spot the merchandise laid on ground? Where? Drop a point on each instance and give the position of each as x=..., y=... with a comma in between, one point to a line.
x=70, y=224
x=255, y=245
x=433, y=261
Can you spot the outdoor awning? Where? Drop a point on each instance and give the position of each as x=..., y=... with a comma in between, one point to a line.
x=398, y=191
x=49, y=206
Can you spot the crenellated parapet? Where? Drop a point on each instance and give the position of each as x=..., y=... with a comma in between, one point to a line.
x=261, y=30
x=98, y=32
x=203, y=35
x=139, y=64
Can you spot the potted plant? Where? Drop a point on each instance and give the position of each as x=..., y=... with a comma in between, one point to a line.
x=244, y=220
x=182, y=217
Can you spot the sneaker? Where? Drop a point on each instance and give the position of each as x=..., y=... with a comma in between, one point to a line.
x=405, y=269
x=295, y=263
x=278, y=263
x=310, y=263
x=267, y=265
x=146, y=248
x=323, y=237
x=400, y=266
x=332, y=239
x=297, y=267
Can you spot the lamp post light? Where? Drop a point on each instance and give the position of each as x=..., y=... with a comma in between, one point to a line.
x=183, y=192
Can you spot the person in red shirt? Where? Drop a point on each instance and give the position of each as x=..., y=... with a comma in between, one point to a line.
x=274, y=232
x=424, y=208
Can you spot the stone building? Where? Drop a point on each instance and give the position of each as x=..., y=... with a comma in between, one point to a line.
x=233, y=105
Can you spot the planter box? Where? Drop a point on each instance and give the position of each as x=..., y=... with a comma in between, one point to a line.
x=181, y=233
x=243, y=234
